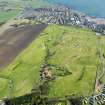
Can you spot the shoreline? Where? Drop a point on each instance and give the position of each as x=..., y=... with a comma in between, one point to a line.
x=90, y=18
x=97, y=20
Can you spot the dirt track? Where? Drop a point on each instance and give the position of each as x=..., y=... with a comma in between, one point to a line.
x=14, y=40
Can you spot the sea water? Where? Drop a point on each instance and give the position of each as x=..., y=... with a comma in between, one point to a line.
x=90, y=7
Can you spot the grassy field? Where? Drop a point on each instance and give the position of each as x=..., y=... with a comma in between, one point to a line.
x=5, y=16
x=24, y=71
x=74, y=49
x=18, y=6
x=36, y=3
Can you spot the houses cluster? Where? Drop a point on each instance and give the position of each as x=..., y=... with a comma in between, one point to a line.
x=100, y=28
x=57, y=15
x=98, y=99
x=61, y=15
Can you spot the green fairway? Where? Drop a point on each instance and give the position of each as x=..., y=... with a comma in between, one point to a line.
x=24, y=71
x=73, y=48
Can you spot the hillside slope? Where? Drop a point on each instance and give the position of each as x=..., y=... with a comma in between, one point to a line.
x=72, y=59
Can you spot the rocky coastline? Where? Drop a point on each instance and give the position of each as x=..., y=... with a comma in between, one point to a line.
x=64, y=16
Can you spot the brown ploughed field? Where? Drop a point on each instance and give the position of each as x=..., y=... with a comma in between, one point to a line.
x=14, y=40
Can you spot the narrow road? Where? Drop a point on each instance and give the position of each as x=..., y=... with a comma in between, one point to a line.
x=101, y=69
x=97, y=96
x=14, y=40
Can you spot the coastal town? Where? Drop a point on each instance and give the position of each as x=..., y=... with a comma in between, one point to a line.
x=64, y=16
x=58, y=14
